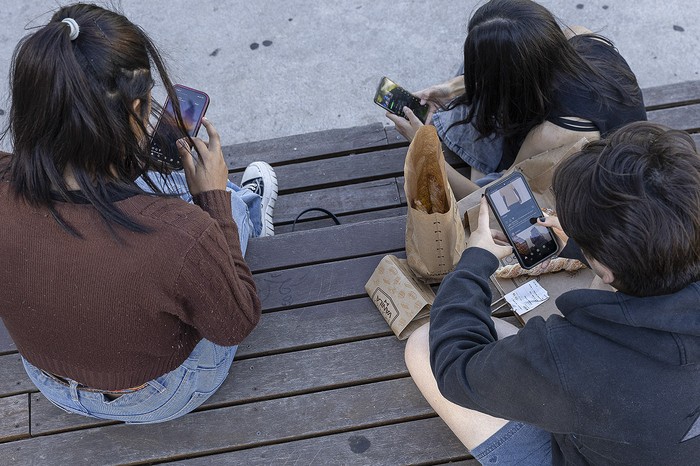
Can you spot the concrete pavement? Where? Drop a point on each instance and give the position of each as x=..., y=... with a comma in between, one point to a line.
x=275, y=68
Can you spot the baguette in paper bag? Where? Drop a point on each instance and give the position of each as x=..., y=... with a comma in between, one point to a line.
x=435, y=237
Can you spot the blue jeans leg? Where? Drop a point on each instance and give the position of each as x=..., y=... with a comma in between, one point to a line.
x=245, y=204
x=165, y=398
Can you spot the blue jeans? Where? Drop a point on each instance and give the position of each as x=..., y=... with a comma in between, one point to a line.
x=516, y=444
x=245, y=204
x=484, y=154
x=165, y=398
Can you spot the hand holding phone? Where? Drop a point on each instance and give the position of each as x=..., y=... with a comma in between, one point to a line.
x=514, y=206
x=393, y=98
x=209, y=172
x=484, y=237
x=193, y=105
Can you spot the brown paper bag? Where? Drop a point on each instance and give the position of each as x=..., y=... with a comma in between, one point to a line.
x=538, y=171
x=403, y=301
x=434, y=241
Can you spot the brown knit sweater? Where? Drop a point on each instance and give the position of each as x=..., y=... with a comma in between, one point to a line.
x=114, y=315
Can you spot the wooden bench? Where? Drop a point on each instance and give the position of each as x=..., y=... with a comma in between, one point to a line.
x=322, y=379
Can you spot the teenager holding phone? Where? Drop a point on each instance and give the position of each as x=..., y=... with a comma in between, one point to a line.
x=124, y=303
x=614, y=379
x=527, y=86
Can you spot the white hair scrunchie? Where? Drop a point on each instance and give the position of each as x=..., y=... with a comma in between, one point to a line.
x=74, y=28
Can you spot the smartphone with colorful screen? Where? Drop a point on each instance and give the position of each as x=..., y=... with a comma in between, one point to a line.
x=392, y=97
x=193, y=106
x=515, y=207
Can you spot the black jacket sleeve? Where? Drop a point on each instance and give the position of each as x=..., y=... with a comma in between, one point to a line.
x=514, y=378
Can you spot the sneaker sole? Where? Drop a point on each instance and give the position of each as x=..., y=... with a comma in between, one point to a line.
x=270, y=197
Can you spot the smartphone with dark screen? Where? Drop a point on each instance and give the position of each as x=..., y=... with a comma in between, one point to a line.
x=514, y=206
x=193, y=106
x=392, y=97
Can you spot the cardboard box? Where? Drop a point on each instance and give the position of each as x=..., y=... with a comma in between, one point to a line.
x=400, y=297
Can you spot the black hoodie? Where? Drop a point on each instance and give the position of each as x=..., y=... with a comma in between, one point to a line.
x=616, y=380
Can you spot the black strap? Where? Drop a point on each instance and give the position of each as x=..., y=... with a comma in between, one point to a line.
x=318, y=209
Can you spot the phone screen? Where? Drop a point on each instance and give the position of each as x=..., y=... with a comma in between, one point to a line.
x=394, y=98
x=514, y=205
x=193, y=106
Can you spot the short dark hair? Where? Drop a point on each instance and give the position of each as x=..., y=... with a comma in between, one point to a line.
x=632, y=202
x=72, y=108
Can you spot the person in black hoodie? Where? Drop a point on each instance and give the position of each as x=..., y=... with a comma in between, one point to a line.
x=615, y=379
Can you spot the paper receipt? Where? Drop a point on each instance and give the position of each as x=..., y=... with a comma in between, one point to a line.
x=527, y=297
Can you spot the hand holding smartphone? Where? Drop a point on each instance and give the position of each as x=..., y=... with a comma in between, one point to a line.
x=514, y=206
x=393, y=98
x=193, y=106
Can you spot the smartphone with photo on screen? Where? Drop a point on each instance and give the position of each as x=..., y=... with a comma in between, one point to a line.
x=193, y=106
x=392, y=97
x=515, y=207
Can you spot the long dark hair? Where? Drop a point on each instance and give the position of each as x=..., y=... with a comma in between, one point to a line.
x=513, y=50
x=632, y=202
x=73, y=109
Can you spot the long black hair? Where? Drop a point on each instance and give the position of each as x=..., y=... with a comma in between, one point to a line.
x=73, y=111
x=512, y=53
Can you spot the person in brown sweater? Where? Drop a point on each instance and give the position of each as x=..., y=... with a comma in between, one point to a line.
x=124, y=304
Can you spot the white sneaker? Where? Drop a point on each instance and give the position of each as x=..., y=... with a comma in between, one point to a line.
x=260, y=178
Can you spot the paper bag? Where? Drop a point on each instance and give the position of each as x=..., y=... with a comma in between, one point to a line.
x=538, y=171
x=403, y=301
x=434, y=240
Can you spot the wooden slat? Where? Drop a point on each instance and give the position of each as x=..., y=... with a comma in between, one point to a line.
x=313, y=326
x=278, y=375
x=340, y=200
x=303, y=147
x=326, y=222
x=14, y=417
x=306, y=247
x=346, y=169
x=337, y=170
x=685, y=118
x=406, y=443
x=13, y=378
x=6, y=343
x=672, y=95
x=316, y=284
x=218, y=430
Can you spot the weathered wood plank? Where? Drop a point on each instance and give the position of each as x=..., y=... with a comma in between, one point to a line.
x=213, y=431
x=344, y=241
x=425, y=441
x=344, y=169
x=14, y=417
x=266, y=377
x=303, y=225
x=316, y=284
x=305, y=146
x=6, y=343
x=340, y=200
x=13, y=378
x=685, y=118
x=313, y=326
x=319, y=174
x=671, y=95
